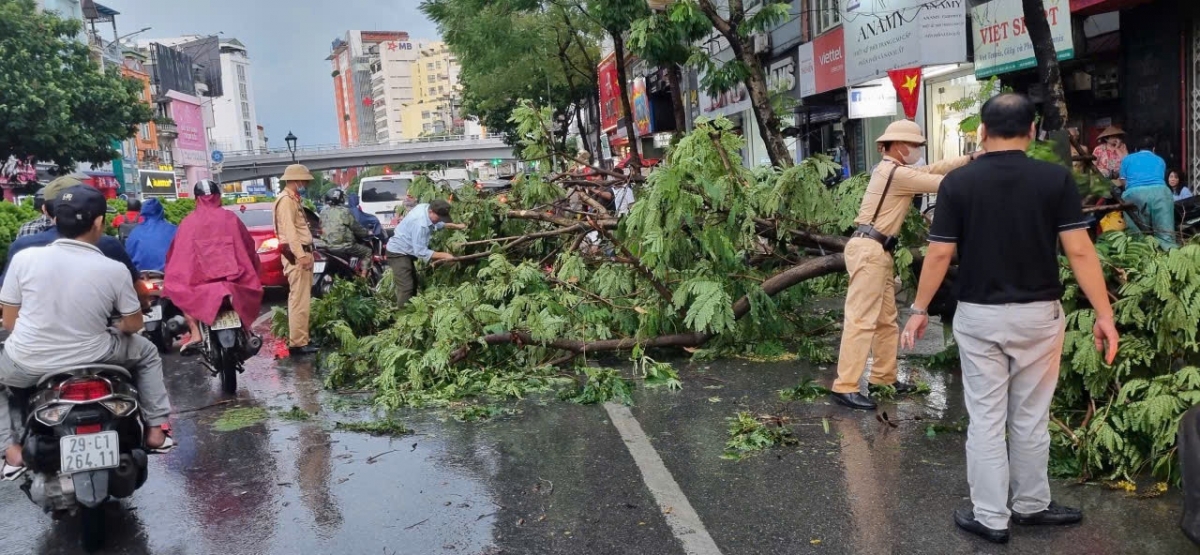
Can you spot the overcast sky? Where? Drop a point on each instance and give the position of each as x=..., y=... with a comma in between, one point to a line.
x=287, y=43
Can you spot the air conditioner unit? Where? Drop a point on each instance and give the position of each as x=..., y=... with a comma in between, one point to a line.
x=762, y=43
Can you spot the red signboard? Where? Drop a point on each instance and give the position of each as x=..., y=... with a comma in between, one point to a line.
x=1090, y=7
x=829, y=61
x=610, y=94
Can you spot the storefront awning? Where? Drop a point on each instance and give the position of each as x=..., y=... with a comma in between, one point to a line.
x=1092, y=7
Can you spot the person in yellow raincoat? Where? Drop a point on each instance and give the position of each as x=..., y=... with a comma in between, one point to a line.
x=870, y=322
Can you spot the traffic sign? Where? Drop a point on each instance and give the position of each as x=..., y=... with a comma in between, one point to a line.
x=218, y=156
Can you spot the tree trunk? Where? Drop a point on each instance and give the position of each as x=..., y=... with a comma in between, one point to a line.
x=675, y=81
x=635, y=162
x=594, y=115
x=756, y=82
x=583, y=138
x=1054, y=117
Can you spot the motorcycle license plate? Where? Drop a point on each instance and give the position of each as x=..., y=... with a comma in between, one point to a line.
x=227, y=320
x=89, y=452
x=155, y=314
x=319, y=267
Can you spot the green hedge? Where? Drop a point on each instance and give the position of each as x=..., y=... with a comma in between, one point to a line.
x=12, y=216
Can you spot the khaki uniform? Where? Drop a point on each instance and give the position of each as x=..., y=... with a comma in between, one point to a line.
x=870, y=325
x=291, y=227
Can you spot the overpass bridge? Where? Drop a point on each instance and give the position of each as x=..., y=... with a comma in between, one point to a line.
x=255, y=164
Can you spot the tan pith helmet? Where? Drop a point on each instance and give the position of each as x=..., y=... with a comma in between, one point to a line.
x=1111, y=131
x=905, y=131
x=296, y=172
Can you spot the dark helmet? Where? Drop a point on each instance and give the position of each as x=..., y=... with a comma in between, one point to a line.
x=335, y=197
x=133, y=205
x=206, y=187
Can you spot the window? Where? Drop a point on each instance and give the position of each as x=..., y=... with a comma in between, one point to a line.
x=249, y=144
x=241, y=71
x=429, y=66
x=383, y=190
x=424, y=115
x=432, y=78
x=439, y=64
x=432, y=91
x=246, y=127
x=245, y=110
x=427, y=127
x=242, y=89
x=441, y=89
x=826, y=15
x=145, y=130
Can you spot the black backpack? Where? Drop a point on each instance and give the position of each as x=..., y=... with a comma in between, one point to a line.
x=126, y=228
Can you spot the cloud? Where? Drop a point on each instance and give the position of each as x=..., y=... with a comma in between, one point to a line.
x=287, y=43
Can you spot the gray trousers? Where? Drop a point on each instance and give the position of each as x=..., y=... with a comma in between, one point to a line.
x=1010, y=360
x=134, y=352
x=404, y=274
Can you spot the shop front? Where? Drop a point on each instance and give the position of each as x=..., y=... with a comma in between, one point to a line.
x=822, y=114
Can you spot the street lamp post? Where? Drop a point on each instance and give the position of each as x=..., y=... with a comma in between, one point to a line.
x=290, y=139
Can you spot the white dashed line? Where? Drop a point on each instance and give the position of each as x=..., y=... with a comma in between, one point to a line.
x=676, y=508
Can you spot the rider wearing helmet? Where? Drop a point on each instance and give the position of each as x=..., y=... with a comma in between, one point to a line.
x=341, y=232
x=133, y=213
x=212, y=257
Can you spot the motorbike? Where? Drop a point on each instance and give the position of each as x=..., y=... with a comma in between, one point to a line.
x=1187, y=217
x=328, y=266
x=163, y=321
x=84, y=443
x=226, y=345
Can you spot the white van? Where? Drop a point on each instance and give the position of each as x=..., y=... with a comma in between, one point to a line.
x=381, y=194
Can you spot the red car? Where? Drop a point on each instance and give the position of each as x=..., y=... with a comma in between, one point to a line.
x=259, y=219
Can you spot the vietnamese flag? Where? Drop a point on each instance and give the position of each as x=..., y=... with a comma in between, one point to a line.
x=908, y=88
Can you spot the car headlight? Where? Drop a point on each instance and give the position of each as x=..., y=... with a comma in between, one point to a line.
x=53, y=415
x=119, y=407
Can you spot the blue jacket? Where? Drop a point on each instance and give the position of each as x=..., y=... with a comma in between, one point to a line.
x=149, y=241
x=364, y=219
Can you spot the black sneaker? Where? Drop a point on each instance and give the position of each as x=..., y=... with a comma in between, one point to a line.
x=302, y=351
x=965, y=519
x=1054, y=515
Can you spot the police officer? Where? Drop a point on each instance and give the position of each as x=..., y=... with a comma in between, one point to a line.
x=870, y=327
x=295, y=244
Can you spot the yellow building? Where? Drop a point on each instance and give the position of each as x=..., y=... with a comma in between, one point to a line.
x=436, y=94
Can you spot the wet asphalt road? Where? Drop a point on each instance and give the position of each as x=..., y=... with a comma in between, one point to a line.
x=558, y=478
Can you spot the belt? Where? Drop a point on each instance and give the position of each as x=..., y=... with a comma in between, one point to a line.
x=869, y=232
x=306, y=248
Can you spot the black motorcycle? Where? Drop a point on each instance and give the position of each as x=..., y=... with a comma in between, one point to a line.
x=328, y=266
x=163, y=322
x=226, y=344
x=84, y=443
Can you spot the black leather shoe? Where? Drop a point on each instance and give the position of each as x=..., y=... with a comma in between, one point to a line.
x=965, y=519
x=1054, y=515
x=854, y=400
x=302, y=351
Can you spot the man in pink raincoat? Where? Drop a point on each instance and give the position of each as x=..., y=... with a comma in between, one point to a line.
x=211, y=258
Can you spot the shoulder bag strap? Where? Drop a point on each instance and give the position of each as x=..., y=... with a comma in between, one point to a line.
x=883, y=196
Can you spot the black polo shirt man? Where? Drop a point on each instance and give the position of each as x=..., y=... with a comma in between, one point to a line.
x=1005, y=214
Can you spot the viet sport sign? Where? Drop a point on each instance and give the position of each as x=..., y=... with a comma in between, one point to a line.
x=1002, y=41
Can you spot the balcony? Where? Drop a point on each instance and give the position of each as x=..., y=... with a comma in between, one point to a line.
x=166, y=128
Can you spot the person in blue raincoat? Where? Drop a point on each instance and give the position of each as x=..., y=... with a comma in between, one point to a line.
x=149, y=241
x=364, y=219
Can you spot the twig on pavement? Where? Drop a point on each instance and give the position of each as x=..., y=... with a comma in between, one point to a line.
x=373, y=458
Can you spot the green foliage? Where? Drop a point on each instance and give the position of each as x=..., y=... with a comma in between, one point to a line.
x=56, y=103
x=749, y=435
x=480, y=413
x=808, y=391
x=1121, y=420
x=296, y=414
x=177, y=209
x=385, y=427
x=12, y=217
x=238, y=418
x=602, y=385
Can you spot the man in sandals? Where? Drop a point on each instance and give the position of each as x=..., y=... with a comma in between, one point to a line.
x=72, y=274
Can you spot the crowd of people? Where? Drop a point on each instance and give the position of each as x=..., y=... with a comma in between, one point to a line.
x=1144, y=181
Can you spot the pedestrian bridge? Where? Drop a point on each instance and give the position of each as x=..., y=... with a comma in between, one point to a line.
x=255, y=164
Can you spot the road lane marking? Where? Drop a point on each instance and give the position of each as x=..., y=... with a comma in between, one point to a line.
x=675, y=507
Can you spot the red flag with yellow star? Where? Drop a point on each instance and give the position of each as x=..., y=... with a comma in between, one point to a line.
x=908, y=88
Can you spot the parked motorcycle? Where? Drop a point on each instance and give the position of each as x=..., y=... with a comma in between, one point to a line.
x=83, y=439
x=163, y=323
x=328, y=266
x=226, y=345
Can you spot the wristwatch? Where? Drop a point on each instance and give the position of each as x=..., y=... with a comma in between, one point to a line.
x=918, y=311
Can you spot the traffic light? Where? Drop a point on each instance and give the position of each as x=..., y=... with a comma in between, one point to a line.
x=496, y=162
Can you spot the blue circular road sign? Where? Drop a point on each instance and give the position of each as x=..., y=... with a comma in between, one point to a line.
x=218, y=156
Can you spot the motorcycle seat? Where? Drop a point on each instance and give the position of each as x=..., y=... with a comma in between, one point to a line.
x=94, y=368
